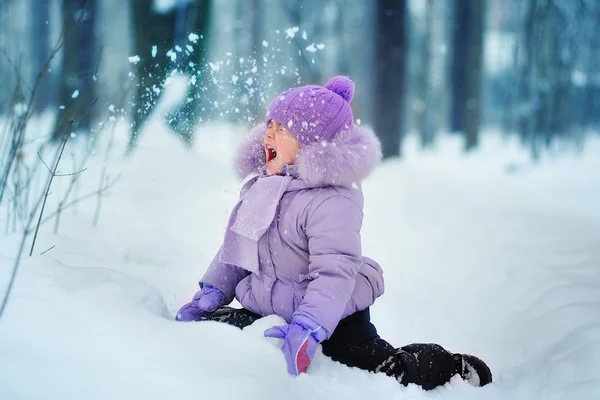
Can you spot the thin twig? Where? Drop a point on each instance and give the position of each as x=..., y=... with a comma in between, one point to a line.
x=49, y=170
x=22, y=123
x=79, y=199
x=75, y=180
x=52, y=175
x=21, y=247
x=43, y=162
x=16, y=68
x=45, y=251
x=103, y=176
x=73, y=173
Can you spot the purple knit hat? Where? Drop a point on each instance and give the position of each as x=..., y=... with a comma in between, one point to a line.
x=314, y=113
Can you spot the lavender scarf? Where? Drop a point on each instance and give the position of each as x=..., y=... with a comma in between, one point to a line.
x=252, y=216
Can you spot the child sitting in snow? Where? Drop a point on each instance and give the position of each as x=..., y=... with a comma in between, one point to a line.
x=293, y=246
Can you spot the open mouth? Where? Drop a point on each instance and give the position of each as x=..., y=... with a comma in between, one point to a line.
x=271, y=153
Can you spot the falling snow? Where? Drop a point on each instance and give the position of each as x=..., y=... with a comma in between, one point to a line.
x=290, y=33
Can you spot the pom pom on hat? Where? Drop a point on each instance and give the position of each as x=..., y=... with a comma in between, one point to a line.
x=341, y=85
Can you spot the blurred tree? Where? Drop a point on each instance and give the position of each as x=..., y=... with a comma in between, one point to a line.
x=424, y=109
x=547, y=67
x=76, y=91
x=256, y=104
x=40, y=15
x=249, y=34
x=308, y=16
x=168, y=31
x=467, y=69
x=591, y=105
x=390, y=69
x=4, y=68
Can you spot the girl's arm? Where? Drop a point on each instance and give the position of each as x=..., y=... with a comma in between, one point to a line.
x=224, y=277
x=334, y=244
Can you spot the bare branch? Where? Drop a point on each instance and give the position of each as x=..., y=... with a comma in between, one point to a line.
x=45, y=251
x=43, y=162
x=24, y=239
x=52, y=175
x=16, y=68
x=72, y=173
x=102, y=190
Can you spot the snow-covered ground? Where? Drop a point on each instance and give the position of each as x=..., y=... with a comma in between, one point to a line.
x=486, y=253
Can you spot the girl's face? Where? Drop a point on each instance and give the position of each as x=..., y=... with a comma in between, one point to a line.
x=281, y=147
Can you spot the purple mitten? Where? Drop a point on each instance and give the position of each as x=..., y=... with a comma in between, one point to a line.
x=206, y=301
x=300, y=341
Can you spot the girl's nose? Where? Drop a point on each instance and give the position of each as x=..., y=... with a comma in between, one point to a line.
x=269, y=133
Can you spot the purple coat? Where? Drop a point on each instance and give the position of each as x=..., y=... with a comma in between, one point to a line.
x=310, y=259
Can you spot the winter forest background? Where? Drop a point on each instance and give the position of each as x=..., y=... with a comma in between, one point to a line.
x=529, y=68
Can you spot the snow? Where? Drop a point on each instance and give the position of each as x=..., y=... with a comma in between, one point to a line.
x=290, y=33
x=75, y=94
x=166, y=6
x=486, y=253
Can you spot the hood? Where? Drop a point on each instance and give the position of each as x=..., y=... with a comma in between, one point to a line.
x=345, y=161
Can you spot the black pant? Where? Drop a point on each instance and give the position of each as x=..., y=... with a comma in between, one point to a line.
x=354, y=342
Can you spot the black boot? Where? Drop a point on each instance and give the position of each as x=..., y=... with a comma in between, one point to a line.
x=430, y=365
x=472, y=369
x=425, y=364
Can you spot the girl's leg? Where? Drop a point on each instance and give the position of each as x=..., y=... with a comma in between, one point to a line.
x=239, y=317
x=355, y=343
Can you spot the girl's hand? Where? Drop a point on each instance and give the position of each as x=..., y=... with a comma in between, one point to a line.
x=206, y=301
x=300, y=341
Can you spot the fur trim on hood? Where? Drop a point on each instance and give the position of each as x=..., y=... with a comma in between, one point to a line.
x=347, y=160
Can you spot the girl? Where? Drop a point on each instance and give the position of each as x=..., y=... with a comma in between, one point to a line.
x=293, y=247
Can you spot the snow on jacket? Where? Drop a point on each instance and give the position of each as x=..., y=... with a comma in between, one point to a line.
x=310, y=258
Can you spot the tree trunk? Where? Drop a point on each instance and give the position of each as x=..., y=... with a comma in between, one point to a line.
x=467, y=70
x=390, y=71
x=591, y=101
x=256, y=106
x=459, y=68
x=525, y=101
x=474, y=105
x=40, y=14
x=75, y=83
x=425, y=112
